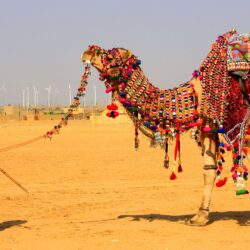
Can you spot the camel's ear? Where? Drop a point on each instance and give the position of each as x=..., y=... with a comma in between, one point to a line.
x=125, y=54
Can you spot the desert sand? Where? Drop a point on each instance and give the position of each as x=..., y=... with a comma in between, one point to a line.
x=89, y=189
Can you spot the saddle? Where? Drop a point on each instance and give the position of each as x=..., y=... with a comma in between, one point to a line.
x=225, y=81
x=238, y=61
x=238, y=53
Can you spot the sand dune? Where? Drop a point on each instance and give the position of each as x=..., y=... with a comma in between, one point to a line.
x=89, y=189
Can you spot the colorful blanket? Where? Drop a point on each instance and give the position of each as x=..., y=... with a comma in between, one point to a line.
x=238, y=54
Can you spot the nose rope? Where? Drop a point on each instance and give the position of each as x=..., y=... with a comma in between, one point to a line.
x=64, y=121
x=75, y=104
x=81, y=92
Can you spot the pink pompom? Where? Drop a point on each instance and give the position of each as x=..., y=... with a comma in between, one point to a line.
x=122, y=100
x=234, y=175
x=192, y=124
x=123, y=84
x=109, y=89
x=207, y=129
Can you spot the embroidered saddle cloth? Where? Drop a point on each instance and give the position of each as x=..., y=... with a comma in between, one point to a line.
x=238, y=54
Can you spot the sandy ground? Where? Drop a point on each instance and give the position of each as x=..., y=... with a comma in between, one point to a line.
x=89, y=189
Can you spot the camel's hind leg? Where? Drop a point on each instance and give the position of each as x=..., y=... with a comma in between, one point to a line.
x=210, y=146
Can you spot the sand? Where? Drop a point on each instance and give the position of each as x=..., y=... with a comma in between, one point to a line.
x=89, y=189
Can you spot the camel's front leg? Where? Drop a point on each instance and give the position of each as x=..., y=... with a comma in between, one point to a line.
x=210, y=166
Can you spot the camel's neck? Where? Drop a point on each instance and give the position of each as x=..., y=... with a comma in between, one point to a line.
x=138, y=91
x=157, y=108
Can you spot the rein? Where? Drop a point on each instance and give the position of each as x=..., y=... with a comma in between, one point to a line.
x=56, y=130
x=64, y=121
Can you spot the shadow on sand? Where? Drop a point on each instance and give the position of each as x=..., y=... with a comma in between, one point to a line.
x=7, y=224
x=241, y=217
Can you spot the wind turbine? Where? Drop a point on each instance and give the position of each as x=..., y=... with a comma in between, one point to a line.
x=3, y=90
x=94, y=94
x=49, y=95
x=34, y=92
x=23, y=92
x=70, y=95
x=28, y=97
x=56, y=92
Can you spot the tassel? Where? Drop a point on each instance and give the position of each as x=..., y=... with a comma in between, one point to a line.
x=166, y=159
x=136, y=144
x=180, y=169
x=166, y=163
x=112, y=107
x=172, y=176
x=221, y=183
x=177, y=150
x=242, y=191
x=152, y=143
x=136, y=132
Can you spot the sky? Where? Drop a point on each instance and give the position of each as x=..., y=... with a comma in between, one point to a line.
x=41, y=41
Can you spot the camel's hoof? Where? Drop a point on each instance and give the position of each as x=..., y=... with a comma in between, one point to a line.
x=199, y=220
x=196, y=223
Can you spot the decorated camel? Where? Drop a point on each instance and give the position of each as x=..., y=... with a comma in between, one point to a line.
x=215, y=102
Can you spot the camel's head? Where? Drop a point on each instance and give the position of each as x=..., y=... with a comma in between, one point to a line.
x=103, y=59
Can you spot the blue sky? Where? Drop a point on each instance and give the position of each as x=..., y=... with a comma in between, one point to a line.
x=41, y=41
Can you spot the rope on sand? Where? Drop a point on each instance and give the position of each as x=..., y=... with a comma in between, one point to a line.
x=13, y=180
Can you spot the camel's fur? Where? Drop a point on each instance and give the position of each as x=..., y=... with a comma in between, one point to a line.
x=209, y=143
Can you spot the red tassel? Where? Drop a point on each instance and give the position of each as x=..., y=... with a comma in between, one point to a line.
x=173, y=176
x=221, y=183
x=112, y=107
x=245, y=149
x=180, y=169
x=112, y=114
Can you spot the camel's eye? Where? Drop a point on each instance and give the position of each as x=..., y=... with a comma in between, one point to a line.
x=98, y=52
x=89, y=53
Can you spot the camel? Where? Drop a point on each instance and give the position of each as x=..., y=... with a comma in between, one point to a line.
x=209, y=101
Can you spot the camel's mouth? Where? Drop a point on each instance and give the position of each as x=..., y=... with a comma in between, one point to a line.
x=86, y=61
